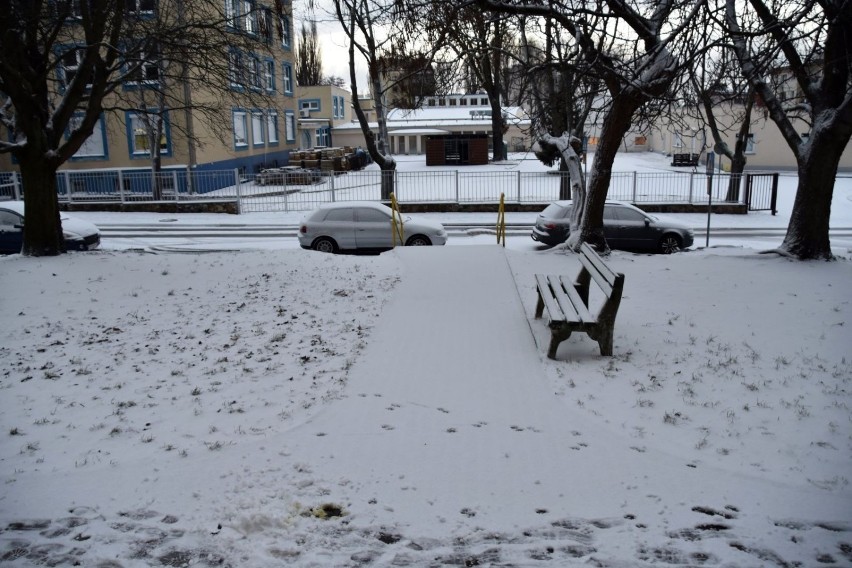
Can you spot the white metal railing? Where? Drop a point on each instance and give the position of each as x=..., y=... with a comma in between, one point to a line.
x=304, y=191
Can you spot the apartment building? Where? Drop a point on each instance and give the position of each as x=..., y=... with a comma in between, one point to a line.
x=253, y=121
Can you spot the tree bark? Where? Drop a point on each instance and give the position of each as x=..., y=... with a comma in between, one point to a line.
x=616, y=124
x=807, y=233
x=42, y=227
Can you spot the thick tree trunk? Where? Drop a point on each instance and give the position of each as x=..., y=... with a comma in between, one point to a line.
x=738, y=163
x=42, y=228
x=807, y=233
x=615, y=126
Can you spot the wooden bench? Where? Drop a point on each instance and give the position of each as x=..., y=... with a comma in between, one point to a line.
x=567, y=302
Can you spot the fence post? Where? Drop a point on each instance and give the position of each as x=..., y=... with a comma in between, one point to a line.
x=519, y=187
x=635, y=182
x=238, y=190
x=330, y=176
x=457, y=187
x=691, y=180
x=67, y=176
x=16, y=185
x=121, y=186
x=189, y=187
x=175, y=185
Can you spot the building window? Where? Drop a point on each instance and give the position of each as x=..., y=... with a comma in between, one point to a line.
x=148, y=70
x=241, y=15
x=334, y=112
x=95, y=145
x=483, y=101
x=269, y=75
x=140, y=129
x=240, y=129
x=254, y=72
x=309, y=104
x=272, y=126
x=287, y=78
x=678, y=140
x=286, y=32
x=232, y=12
x=236, y=70
x=290, y=126
x=69, y=66
x=750, y=148
x=257, y=128
x=265, y=26
x=249, y=17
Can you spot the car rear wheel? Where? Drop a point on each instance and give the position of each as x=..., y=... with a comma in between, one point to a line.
x=324, y=244
x=418, y=241
x=670, y=243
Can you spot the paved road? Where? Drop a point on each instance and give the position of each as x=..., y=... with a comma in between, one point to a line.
x=273, y=236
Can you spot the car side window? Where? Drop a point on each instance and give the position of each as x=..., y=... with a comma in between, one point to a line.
x=626, y=214
x=340, y=215
x=9, y=220
x=609, y=213
x=371, y=216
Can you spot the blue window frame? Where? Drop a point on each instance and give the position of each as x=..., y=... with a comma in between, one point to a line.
x=272, y=127
x=289, y=126
x=258, y=128
x=286, y=33
x=269, y=75
x=239, y=119
x=255, y=73
x=236, y=70
x=287, y=78
x=139, y=125
x=95, y=147
x=242, y=16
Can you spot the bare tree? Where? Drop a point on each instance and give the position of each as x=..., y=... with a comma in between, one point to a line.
x=68, y=62
x=630, y=47
x=309, y=56
x=480, y=40
x=561, y=97
x=376, y=29
x=797, y=56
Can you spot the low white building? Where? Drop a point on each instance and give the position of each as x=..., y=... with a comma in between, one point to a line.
x=452, y=114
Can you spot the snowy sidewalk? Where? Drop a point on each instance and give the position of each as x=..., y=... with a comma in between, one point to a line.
x=428, y=394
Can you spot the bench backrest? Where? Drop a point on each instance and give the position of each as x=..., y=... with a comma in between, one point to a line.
x=603, y=275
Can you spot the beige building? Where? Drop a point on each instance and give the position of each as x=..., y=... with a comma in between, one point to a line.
x=244, y=135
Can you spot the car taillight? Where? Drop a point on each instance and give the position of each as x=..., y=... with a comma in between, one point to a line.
x=303, y=229
x=550, y=225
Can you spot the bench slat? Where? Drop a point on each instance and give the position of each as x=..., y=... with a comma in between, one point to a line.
x=600, y=266
x=569, y=293
x=545, y=292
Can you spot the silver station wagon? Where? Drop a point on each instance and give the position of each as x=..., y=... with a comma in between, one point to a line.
x=363, y=226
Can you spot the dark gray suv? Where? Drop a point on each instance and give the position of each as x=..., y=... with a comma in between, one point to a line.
x=625, y=227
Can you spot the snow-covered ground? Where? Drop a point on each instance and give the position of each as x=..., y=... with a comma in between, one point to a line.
x=283, y=407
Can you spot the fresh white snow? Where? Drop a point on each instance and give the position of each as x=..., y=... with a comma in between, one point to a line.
x=283, y=407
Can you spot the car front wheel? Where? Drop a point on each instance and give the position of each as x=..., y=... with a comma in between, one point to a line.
x=418, y=241
x=324, y=244
x=670, y=243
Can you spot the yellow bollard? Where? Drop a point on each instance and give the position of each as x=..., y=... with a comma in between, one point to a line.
x=397, y=228
x=501, y=221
